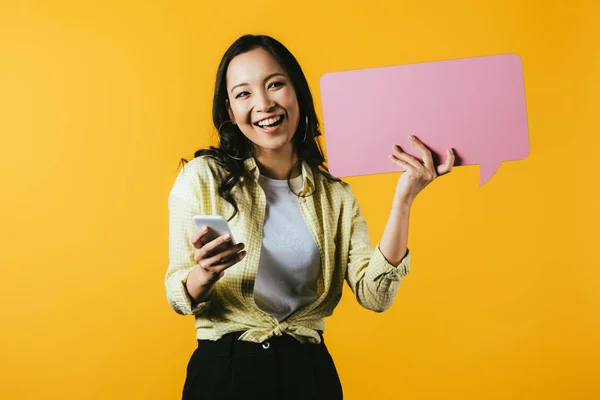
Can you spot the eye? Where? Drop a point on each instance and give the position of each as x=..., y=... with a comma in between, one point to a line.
x=241, y=94
x=276, y=84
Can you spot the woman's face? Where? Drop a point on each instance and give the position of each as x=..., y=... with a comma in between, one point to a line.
x=262, y=100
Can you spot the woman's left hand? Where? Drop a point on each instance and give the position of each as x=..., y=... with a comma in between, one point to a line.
x=417, y=173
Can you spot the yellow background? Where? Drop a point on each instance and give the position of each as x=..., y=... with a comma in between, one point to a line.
x=99, y=100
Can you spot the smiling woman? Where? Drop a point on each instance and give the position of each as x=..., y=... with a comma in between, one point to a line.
x=264, y=106
x=259, y=79
x=260, y=304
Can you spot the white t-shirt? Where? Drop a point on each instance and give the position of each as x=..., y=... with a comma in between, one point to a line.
x=290, y=263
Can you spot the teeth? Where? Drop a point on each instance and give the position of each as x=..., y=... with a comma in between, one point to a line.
x=269, y=121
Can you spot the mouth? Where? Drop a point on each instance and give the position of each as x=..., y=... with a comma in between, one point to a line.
x=270, y=124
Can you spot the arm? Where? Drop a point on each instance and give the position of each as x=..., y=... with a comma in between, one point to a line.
x=184, y=202
x=375, y=279
x=394, y=241
x=181, y=257
x=372, y=278
x=417, y=174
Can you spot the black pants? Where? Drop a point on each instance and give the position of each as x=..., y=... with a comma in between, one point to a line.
x=280, y=368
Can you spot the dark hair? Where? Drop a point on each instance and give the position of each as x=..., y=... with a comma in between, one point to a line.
x=232, y=141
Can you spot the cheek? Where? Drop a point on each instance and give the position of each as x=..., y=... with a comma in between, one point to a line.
x=240, y=114
x=290, y=103
x=291, y=100
x=294, y=108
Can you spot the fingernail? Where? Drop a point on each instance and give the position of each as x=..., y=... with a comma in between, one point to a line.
x=204, y=230
x=411, y=136
x=227, y=237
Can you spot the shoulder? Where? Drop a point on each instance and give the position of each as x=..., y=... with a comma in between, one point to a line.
x=203, y=165
x=338, y=189
x=197, y=175
x=203, y=170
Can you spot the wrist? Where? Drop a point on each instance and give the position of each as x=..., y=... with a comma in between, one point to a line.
x=197, y=286
x=200, y=279
x=403, y=200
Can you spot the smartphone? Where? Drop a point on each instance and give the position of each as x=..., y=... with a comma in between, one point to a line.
x=218, y=227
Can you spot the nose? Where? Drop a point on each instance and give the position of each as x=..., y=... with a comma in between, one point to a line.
x=263, y=102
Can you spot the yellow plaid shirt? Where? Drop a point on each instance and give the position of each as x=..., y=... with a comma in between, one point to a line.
x=332, y=216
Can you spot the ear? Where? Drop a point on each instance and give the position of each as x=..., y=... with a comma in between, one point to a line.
x=231, y=117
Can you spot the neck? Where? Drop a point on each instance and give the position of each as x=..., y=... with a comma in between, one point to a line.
x=277, y=165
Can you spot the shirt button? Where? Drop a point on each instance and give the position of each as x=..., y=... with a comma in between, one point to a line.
x=266, y=345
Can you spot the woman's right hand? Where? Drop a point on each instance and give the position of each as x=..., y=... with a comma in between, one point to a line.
x=212, y=262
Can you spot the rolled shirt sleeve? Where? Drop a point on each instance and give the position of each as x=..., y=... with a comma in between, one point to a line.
x=372, y=279
x=183, y=205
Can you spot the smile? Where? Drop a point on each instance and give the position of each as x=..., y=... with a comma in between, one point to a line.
x=270, y=122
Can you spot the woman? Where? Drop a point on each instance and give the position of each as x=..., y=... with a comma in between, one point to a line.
x=259, y=305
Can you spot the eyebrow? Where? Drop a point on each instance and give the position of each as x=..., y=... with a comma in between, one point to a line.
x=266, y=79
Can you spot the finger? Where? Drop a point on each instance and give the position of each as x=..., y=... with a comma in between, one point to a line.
x=231, y=262
x=225, y=255
x=216, y=271
x=207, y=249
x=407, y=158
x=427, y=158
x=404, y=166
x=197, y=237
x=209, y=257
x=447, y=166
x=212, y=245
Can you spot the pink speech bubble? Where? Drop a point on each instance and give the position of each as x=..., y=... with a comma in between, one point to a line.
x=474, y=105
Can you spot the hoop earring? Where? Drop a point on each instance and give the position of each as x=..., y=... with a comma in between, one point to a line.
x=222, y=148
x=305, y=131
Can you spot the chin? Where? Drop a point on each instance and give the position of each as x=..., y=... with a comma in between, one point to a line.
x=274, y=145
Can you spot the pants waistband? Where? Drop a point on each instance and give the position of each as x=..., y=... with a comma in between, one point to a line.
x=230, y=344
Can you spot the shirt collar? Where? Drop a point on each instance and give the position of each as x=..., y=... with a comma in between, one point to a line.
x=307, y=173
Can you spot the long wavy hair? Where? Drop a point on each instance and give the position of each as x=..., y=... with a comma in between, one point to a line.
x=233, y=143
